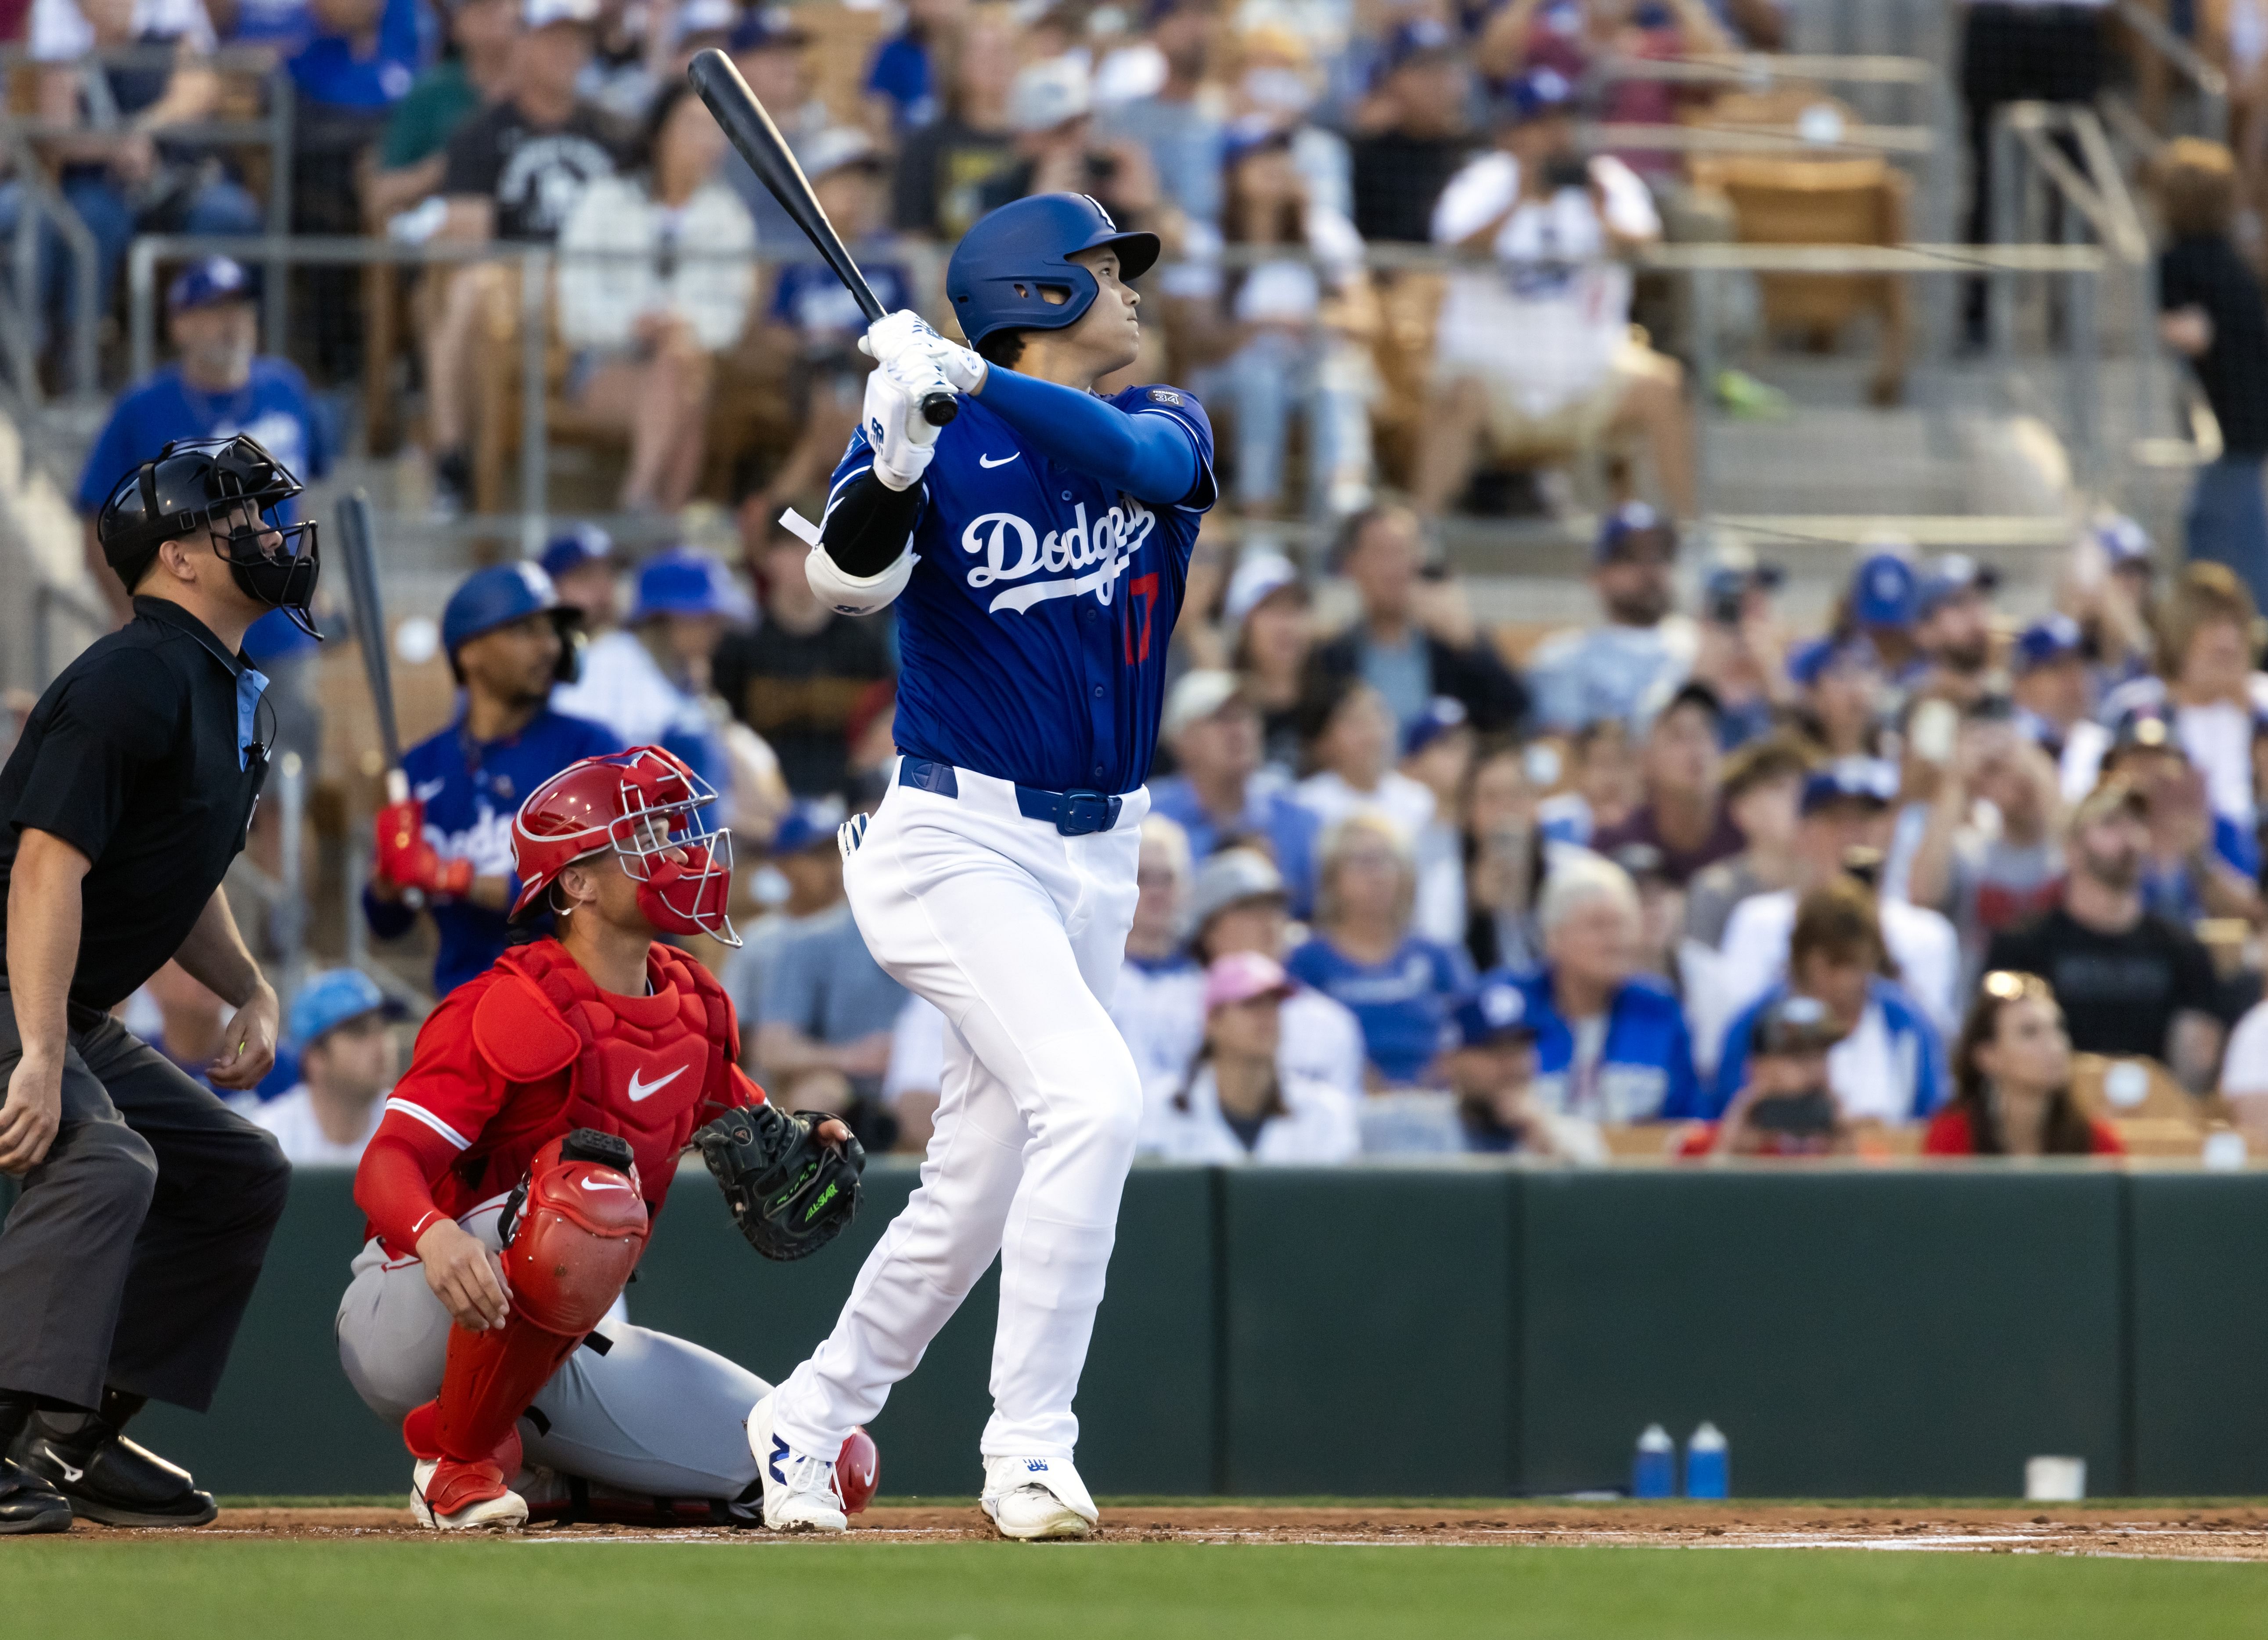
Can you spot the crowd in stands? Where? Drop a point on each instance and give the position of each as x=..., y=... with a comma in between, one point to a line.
x=1408, y=884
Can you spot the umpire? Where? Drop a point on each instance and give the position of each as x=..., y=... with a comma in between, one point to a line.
x=147, y=1205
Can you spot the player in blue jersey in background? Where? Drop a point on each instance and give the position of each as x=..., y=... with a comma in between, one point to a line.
x=1036, y=548
x=449, y=843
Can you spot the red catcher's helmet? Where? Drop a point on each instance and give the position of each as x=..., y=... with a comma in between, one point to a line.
x=643, y=804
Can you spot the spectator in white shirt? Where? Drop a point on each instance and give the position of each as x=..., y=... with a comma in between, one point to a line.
x=1353, y=751
x=1846, y=811
x=651, y=308
x=1237, y=1106
x=1540, y=353
x=343, y=1025
x=1157, y=1004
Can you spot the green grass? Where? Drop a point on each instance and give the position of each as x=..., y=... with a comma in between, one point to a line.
x=390, y=1589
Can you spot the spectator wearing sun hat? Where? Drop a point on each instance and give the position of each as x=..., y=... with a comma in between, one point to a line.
x=1221, y=794
x=1640, y=646
x=1238, y=1106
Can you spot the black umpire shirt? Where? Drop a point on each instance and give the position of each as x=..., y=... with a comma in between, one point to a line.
x=141, y=757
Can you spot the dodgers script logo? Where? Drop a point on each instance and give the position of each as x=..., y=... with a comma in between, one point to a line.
x=1085, y=558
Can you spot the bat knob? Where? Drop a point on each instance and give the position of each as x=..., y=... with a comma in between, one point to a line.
x=938, y=408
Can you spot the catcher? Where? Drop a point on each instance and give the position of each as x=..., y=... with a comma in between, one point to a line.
x=514, y=1179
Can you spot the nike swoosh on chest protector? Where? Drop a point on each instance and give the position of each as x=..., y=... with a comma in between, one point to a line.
x=642, y=1090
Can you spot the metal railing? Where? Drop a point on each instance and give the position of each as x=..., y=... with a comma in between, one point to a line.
x=2209, y=84
x=41, y=209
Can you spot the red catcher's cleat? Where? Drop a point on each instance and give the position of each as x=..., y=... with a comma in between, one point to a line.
x=858, y=1471
x=451, y=1494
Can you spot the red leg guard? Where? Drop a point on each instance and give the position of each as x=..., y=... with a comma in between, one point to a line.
x=577, y=1239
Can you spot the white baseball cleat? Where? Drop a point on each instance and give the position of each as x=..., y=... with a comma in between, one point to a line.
x=799, y=1493
x=1030, y=1498
x=469, y=1497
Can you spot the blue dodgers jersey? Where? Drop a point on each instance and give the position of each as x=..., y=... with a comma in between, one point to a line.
x=1034, y=628
x=471, y=792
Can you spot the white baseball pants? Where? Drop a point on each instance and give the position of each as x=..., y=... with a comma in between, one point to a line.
x=1015, y=932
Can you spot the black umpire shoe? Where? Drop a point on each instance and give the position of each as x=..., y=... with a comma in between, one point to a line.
x=104, y=1476
x=28, y=1504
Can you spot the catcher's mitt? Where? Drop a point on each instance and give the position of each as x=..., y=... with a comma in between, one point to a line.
x=791, y=1191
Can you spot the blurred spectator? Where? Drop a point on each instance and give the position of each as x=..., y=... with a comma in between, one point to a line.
x=411, y=153
x=645, y=319
x=1178, y=124
x=1740, y=651
x=188, y=1020
x=821, y=1028
x=505, y=632
x=2200, y=863
x=1241, y=903
x=344, y=1026
x=1574, y=39
x=1989, y=879
x=1218, y=795
x=901, y=81
x=1884, y=606
x=116, y=170
x=1437, y=752
x=787, y=888
x=513, y=172
x=1586, y=673
x=814, y=323
x=773, y=53
x=1158, y=1005
x=651, y=682
x=1414, y=639
x=2012, y=1080
x=2111, y=591
x=1611, y=1043
x=586, y=575
x=2134, y=983
x=1410, y=140
x=798, y=676
x=220, y=386
x=1505, y=862
x=938, y=190
x=1784, y=1107
x=1051, y=108
x=1352, y=750
x=1277, y=88
x=2048, y=681
x=1840, y=692
x=1364, y=955
x=1297, y=329
x=1270, y=621
x=1682, y=815
x=1760, y=787
x=1955, y=629
x=1539, y=352
x=1845, y=822
x=1888, y=1063
x=1490, y=1069
x=1603, y=788
x=1237, y=1104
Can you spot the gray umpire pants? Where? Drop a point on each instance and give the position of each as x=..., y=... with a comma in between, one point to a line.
x=653, y=1416
x=129, y=1257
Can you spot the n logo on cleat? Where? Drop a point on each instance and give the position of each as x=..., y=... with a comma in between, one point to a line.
x=1035, y=1464
x=779, y=1450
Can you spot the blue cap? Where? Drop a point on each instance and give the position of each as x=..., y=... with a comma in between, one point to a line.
x=808, y=822
x=2043, y=642
x=2123, y=540
x=330, y=999
x=207, y=283
x=489, y=598
x=1806, y=662
x=1417, y=38
x=1535, y=94
x=1950, y=578
x=1496, y=1009
x=1851, y=780
x=1625, y=523
x=1443, y=714
x=1884, y=591
x=681, y=582
x=766, y=28
x=575, y=548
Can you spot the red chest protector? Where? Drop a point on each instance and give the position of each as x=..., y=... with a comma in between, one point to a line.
x=649, y=1070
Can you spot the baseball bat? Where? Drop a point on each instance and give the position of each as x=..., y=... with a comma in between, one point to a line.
x=366, y=615
x=750, y=129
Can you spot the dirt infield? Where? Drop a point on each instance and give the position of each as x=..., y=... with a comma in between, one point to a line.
x=2237, y=1532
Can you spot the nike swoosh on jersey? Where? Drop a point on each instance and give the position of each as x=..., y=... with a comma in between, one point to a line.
x=987, y=461
x=643, y=1090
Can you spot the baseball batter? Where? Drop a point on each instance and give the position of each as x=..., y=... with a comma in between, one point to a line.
x=1037, y=547
x=512, y=1182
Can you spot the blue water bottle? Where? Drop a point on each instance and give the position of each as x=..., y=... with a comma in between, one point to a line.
x=1708, y=1470
x=1653, y=1474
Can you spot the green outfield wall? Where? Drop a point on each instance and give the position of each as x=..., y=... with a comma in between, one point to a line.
x=1477, y=1331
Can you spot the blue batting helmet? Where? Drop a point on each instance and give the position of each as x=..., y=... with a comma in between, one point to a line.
x=490, y=598
x=1003, y=264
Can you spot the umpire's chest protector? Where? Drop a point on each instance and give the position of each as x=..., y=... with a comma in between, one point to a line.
x=647, y=1068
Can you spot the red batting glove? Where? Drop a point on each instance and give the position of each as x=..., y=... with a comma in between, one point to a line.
x=404, y=858
x=447, y=880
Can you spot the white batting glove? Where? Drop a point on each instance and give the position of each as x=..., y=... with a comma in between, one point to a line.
x=963, y=367
x=903, y=442
x=897, y=332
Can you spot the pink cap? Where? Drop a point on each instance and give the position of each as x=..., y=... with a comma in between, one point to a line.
x=1241, y=976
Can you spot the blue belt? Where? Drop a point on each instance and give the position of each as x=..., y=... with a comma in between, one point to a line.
x=1074, y=813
